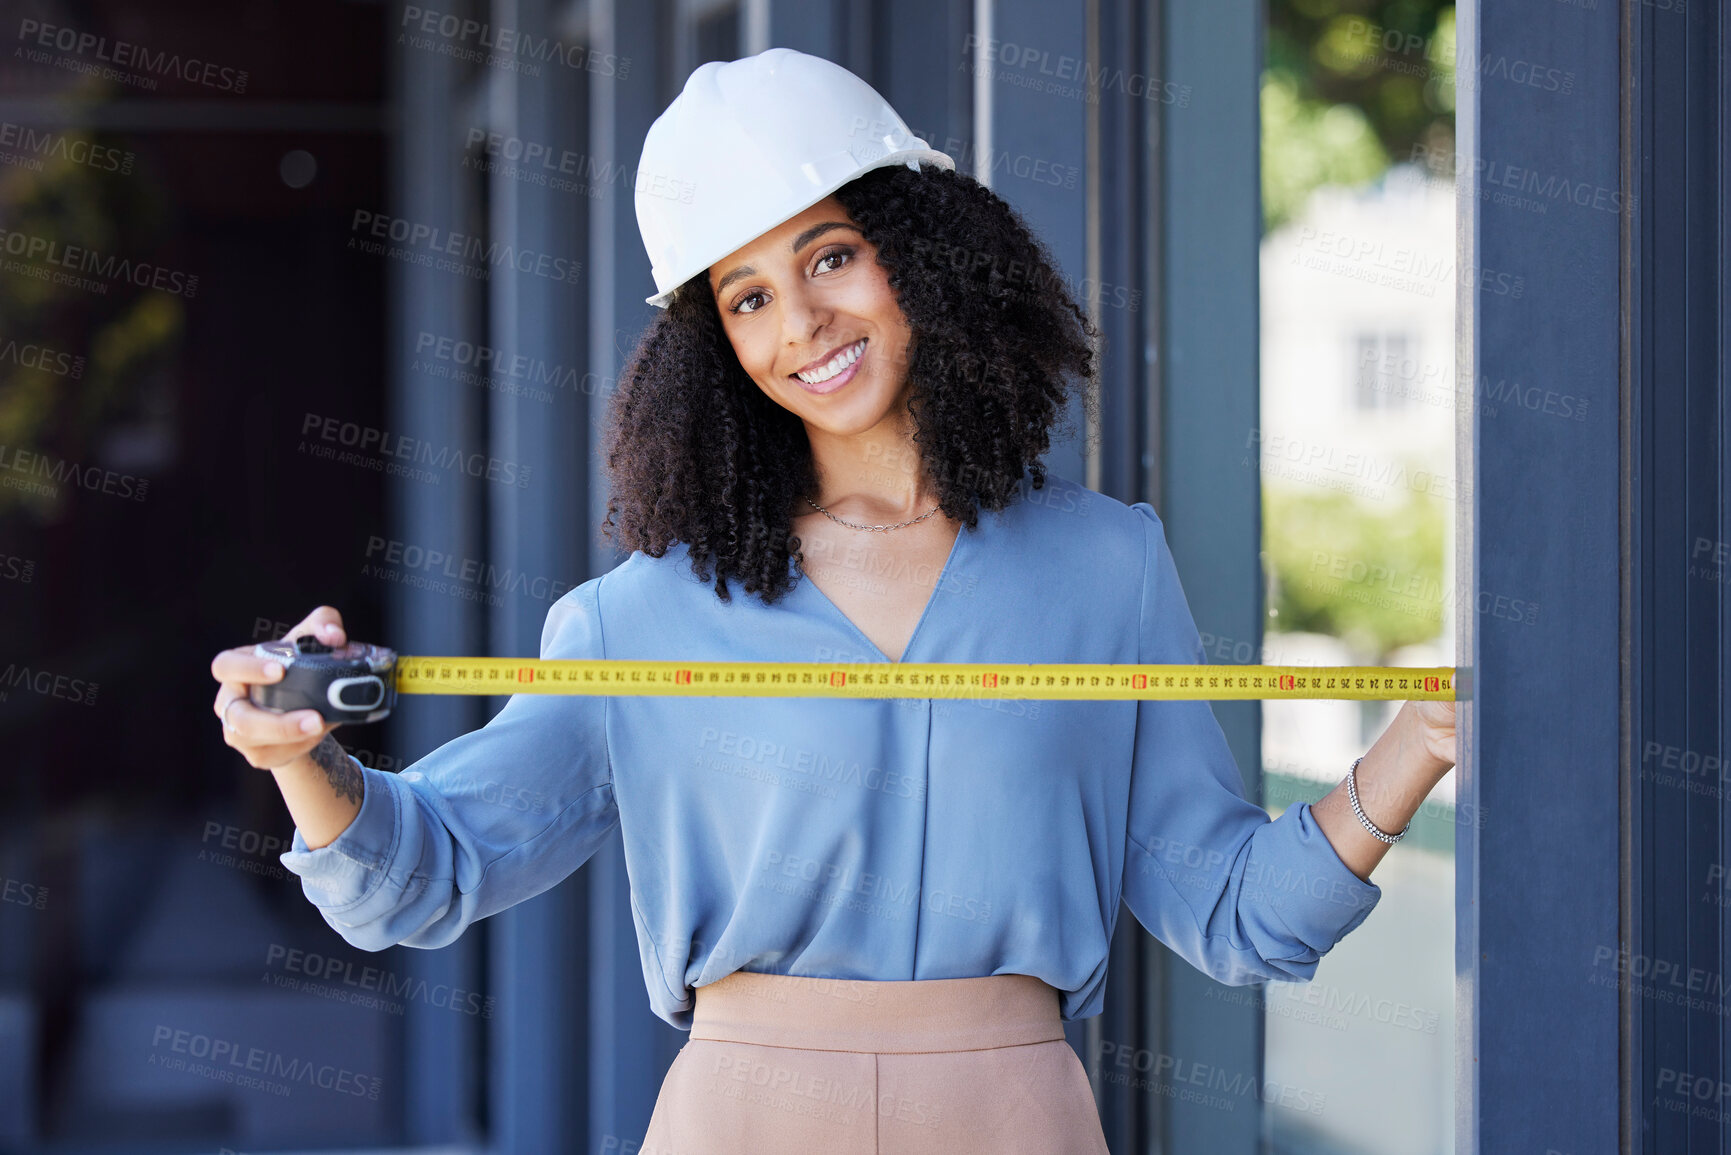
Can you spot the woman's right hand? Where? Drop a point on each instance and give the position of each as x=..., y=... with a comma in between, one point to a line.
x=268, y=740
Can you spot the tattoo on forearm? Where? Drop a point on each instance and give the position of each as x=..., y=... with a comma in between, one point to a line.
x=339, y=771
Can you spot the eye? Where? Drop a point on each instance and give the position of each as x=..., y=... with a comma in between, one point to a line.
x=734, y=308
x=843, y=252
x=839, y=251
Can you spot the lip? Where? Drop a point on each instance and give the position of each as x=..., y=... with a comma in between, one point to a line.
x=839, y=379
x=827, y=357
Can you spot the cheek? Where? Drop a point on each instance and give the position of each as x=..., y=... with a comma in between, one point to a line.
x=756, y=356
x=876, y=302
x=893, y=327
x=877, y=290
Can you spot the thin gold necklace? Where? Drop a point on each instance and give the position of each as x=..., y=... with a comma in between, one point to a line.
x=873, y=528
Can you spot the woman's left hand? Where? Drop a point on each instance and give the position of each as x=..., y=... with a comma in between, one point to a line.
x=1436, y=729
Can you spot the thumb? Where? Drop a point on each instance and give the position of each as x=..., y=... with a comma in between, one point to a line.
x=324, y=623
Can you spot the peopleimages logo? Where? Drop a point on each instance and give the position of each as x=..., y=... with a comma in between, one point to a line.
x=228, y=1061
x=565, y=170
x=503, y=47
x=23, y=893
x=1503, y=183
x=39, y=38
x=32, y=356
x=476, y=363
x=465, y=253
x=1186, y=1079
x=43, y=256
x=412, y=561
x=33, y=145
x=366, y=440
x=1030, y=66
x=56, y=471
x=48, y=684
x=366, y=986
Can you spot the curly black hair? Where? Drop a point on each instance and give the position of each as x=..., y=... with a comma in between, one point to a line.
x=695, y=452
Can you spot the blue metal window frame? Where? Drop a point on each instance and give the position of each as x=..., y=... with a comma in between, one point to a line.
x=1573, y=862
x=1677, y=638
x=442, y=1096
x=1209, y=404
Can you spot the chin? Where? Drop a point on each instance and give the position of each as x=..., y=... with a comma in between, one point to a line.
x=847, y=420
x=843, y=414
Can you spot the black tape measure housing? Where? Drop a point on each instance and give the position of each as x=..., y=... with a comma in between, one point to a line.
x=355, y=682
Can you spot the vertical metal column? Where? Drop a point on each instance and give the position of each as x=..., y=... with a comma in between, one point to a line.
x=1676, y=447
x=813, y=26
x=1466, y=548
x=440, y=1076
x=1537, y=885
x=1037, y=159
x=630, y=1048
x=1209, y=395
x=1124, y=170
x=916, y=62
x=1125, y=259
x=539, y=530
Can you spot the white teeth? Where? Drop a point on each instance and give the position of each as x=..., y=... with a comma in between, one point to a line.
x=836, y=364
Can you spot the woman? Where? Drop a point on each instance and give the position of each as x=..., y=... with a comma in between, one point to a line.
x=872, y=915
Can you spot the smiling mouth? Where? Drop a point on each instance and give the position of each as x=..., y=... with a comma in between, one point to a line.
x=834, y=367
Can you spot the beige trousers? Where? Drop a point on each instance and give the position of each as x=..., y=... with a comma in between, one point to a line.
x=781, y=1065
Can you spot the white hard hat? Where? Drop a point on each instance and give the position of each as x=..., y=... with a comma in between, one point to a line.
x=750, y=143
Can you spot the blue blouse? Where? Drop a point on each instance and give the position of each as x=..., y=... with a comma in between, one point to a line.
x=866, y=839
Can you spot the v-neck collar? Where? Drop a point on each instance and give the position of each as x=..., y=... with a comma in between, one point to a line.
x=925, y=613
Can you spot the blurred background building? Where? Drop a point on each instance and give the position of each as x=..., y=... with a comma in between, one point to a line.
x=245, y=248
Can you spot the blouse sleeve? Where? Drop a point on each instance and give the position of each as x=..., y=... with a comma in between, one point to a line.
x=1238, y=896
x=488, y=819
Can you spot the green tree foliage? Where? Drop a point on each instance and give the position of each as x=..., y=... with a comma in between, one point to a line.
x=124, y=337
x=1373, y=577
x=1349, y=87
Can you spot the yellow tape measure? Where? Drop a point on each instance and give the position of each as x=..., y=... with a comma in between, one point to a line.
x=618, y=677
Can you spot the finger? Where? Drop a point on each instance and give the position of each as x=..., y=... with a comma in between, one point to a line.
x=241, y=665
x=324, y=623
x=259, y=727
x=226, y=693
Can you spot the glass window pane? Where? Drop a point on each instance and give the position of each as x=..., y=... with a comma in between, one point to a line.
x=1357, y=264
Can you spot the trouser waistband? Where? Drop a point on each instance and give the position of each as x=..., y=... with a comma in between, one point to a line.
x=898, y=1016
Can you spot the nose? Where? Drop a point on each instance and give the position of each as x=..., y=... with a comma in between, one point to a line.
x=804, y=314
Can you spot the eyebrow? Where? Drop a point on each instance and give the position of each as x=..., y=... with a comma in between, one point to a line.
x=799, y=243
